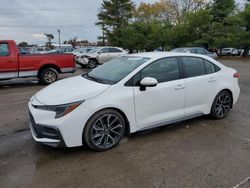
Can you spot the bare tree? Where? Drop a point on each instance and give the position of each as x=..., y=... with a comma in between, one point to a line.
x=175, y=10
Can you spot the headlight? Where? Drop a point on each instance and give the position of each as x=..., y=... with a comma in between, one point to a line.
x=60, y=110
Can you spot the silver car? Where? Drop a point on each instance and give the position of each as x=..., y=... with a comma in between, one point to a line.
x=99, y=55
x=196, y=50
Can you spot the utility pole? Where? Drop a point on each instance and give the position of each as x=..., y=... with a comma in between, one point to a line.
x=59, y=34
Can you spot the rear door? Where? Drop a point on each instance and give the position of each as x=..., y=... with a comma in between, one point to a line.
x=8, y=62
x=115, y=52
x=201, y=83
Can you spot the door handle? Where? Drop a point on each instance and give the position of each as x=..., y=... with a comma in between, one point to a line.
x=10, y=61
x=212, y=80
x=178, y=87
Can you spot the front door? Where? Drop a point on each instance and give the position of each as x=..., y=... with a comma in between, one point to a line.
x=104, y=55
x=163, y=103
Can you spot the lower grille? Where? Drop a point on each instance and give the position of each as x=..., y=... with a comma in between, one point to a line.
x=43, y=131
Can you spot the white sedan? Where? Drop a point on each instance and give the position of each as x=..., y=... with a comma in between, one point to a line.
x=129, y=94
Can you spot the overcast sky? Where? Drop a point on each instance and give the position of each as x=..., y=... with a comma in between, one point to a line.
x=27, y=20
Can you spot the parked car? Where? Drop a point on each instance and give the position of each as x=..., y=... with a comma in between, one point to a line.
x=229, y=52
x=196, y=50
x=131, y=93
x=81, y=51
x=99, y=55
x=62, y=50
x=39, y=50
x=46, y=67
x=24, y=50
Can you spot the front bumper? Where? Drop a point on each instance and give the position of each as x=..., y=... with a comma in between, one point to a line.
x=82, y=60
x=45, y=134
x=66, y=130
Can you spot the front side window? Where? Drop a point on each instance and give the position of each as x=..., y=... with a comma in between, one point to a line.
x=193, y=66
x=162, y=70
x=104, y=50
x=200, y=51
x=193, y=51
x=114, y=50
x=4, y=49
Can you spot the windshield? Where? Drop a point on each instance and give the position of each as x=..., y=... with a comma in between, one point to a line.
x=116, y=69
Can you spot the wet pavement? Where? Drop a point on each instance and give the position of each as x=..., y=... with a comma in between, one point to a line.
x=196, y=153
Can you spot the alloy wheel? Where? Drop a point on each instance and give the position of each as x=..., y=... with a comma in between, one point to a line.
x=222, y=105
x=50, y=76
x=106, y=131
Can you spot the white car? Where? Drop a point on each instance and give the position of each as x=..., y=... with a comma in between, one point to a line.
x=81, y=51
x=39, y=50
x=129, y=94
x=229, y=52
x=99, y=55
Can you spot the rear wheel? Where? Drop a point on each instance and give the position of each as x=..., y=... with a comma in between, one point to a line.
x=104, y=130
x=48, y=76
x=221, y=105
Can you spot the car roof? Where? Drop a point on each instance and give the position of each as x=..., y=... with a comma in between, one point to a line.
x=157, y=55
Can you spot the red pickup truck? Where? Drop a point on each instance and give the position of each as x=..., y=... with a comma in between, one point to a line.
x=46, y=67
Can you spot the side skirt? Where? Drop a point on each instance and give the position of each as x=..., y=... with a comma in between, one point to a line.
x=170, y=122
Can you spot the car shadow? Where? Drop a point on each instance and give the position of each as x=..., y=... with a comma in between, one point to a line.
x=19, y=83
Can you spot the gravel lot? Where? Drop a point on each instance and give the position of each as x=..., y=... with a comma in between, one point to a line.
x=195, y=153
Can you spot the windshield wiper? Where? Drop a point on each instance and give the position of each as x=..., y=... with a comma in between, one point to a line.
x=95, y=79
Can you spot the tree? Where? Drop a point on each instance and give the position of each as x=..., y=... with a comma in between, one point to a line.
x=176, y=10
x=245, y=37
x=222, y=8
x=50, y=37
x=73, y=42
x=23, y=44
x=113, y=15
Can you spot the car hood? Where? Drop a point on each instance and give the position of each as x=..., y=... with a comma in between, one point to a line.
x=70, y=90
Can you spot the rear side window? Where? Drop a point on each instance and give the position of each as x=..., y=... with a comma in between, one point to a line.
x=4, y=49
x=162, y=70
x=193, y=66
x=210, y=67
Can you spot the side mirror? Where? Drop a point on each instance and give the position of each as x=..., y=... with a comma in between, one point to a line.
x=147, y=82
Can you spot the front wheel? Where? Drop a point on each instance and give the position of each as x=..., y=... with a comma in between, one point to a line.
x=104, y=130
x=92, y=63
x=48, y=76
x=221, y=105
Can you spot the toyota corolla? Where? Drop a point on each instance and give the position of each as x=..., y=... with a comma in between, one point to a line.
x=128, y=94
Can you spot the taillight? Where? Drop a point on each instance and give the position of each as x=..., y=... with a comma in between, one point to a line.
x=236, y=75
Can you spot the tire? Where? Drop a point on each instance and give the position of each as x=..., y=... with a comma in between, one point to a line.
x=92, y=63
x=104, y=130
x=221, y=105
x=48, y=76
